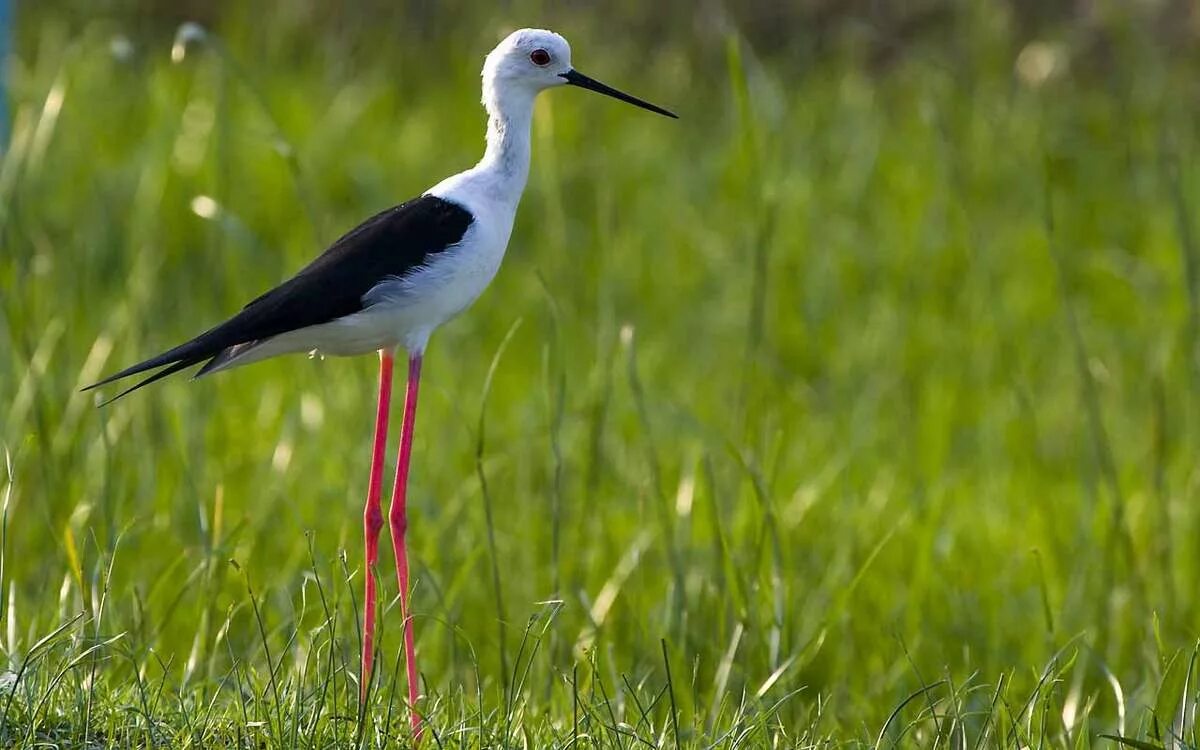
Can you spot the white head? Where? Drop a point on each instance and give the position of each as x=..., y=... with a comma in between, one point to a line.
x=531, y=60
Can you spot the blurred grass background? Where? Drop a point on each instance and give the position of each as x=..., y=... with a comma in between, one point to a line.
x=864, y=395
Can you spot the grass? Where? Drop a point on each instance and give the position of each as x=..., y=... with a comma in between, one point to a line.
x=857, y=407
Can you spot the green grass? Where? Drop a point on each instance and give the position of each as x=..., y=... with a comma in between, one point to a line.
x=857, y=407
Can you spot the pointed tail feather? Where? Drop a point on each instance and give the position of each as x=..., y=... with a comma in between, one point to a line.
x=173, y=360
x=191, y=350
x=181, y=364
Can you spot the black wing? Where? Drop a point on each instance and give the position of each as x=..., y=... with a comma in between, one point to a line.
x=389, y=244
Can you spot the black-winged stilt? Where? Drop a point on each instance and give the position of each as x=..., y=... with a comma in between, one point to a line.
x=392, y=280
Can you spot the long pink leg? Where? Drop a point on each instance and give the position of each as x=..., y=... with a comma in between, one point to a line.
x=398, y=520
x=373, y=518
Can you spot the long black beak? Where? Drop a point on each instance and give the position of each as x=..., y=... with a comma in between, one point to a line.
x=575, y=78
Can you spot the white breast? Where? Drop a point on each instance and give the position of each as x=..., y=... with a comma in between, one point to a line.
x=405, y=311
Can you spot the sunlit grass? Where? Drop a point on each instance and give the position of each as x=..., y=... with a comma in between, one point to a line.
x=855, y=407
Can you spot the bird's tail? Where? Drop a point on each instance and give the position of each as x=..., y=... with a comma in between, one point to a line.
x=174, y=368
x=171, y=361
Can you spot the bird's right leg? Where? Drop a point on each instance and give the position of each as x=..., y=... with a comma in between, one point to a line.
x=398, y=518
x=373, y=518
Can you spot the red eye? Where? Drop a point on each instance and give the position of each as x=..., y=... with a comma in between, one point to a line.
x=539, y=57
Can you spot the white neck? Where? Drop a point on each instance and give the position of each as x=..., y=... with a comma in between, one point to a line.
x=499, y=177
x=510, y=116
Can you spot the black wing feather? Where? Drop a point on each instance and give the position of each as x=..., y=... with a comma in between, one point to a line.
x=391, y=243
x=174, y=368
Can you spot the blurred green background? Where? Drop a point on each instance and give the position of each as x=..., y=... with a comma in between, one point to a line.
x=864, y=395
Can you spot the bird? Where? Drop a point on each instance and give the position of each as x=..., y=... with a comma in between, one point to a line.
x=388, y=283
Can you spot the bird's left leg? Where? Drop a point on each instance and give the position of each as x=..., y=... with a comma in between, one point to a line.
x=373, y=520
x=398, y=521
